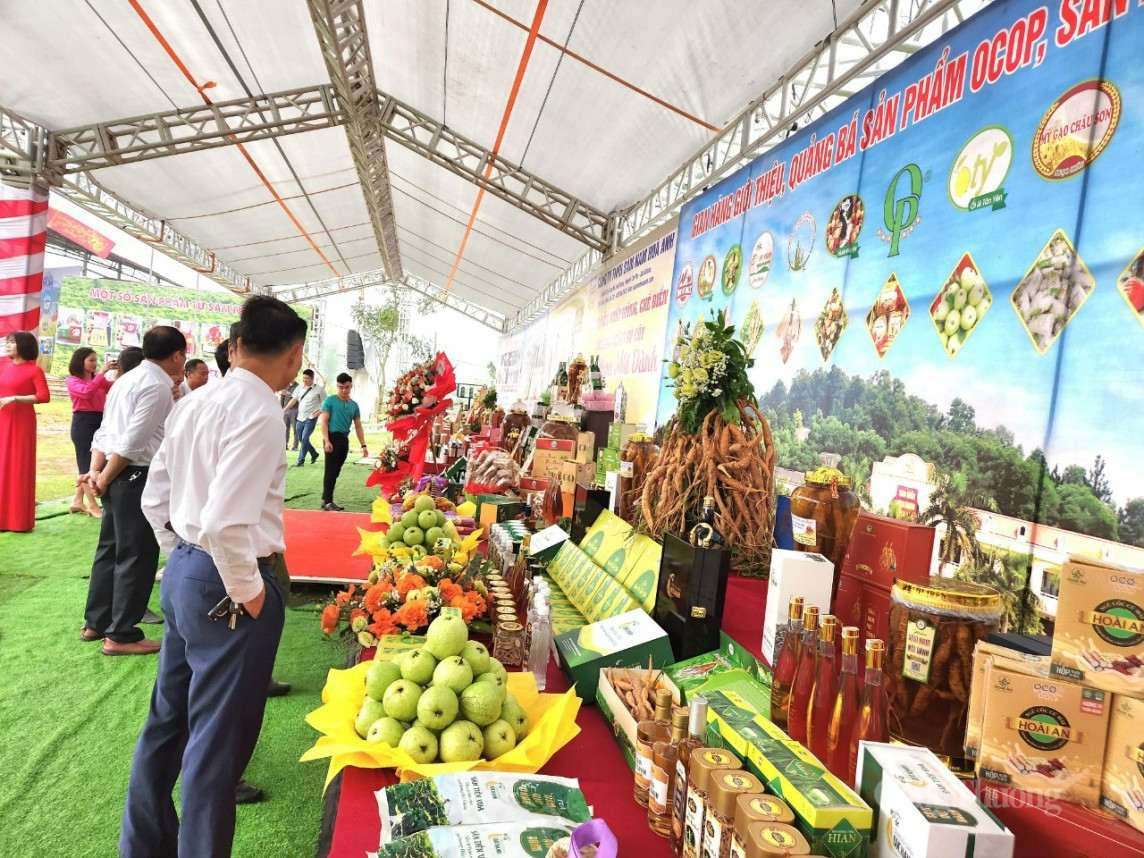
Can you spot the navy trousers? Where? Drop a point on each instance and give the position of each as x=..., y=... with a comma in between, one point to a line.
x=206, y=713
x=126, y=558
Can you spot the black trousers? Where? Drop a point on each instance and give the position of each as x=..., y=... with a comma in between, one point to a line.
x=340, y=441
x=83, y=427
x=126, y=558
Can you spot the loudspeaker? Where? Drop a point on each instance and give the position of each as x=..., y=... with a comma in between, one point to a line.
x=355, y=351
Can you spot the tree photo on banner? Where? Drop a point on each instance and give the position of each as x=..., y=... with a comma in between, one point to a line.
x=949, y=264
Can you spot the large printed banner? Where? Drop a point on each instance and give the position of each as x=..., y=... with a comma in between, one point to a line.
x=618, y=313
x=952, y=263
x=111, y=315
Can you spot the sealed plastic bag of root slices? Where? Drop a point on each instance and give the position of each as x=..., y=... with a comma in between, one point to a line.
x=479, y=798
x=507, y=840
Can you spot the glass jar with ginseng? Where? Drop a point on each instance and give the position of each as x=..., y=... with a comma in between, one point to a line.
x=934, y=628
x=823, y=513
x=637, y=458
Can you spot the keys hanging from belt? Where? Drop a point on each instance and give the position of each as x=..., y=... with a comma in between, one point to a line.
x=227, y=608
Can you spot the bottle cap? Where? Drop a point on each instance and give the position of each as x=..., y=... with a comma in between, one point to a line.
x=795, y=611
x=760, y=808
x=679, y=719
x=810, y=618
x=662, y=697
x=697, y=721
x=707, y=761
x=774, y=838
x=826, y=628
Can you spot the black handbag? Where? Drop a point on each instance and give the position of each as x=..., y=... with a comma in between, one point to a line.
x=691, y=594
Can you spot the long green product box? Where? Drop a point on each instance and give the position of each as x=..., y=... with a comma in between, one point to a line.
x=625, y=640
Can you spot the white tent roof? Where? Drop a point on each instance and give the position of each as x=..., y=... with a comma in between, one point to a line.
x=614, y=98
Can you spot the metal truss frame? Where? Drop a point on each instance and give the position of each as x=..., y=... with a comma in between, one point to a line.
x=512, y=183
x=875, y=39
x=140, y=138
x=354, y=282
x=340, y=26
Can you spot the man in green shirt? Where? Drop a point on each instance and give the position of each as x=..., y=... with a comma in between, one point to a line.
x=337, y=415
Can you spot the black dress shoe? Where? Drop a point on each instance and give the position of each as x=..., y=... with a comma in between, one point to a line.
x=278, y=689
x=247, y=793
x=313, y=459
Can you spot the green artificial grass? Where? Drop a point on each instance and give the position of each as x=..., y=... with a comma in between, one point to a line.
x=70, y=717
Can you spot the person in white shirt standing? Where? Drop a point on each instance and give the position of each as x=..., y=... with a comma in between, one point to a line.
x=127, y=555
x=215, y=499
x=307, y=401
x=196, y=373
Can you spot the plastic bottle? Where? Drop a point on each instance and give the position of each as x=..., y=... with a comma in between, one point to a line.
x=539, y=645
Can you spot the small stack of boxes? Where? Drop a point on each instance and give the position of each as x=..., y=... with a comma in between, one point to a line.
x=608, y=461
x=1074, y=731
x=580, y=470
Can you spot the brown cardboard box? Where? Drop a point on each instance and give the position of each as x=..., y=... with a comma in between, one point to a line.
x=985, y=657
x=1122, y=786
x=1044, y=736
x=1099, y=636
x=585, y=447
x=550, y=453
x=573, y=473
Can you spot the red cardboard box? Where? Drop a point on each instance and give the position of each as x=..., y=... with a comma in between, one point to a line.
x=881, y=549
x=1059, y=829
x=533, y=484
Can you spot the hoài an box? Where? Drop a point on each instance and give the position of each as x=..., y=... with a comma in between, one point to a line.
x=1122, y=784
x=921, y=808
x=1099, y=635
x=985, y=656
x=1045, y=736
x=549, y=453
x=585, y=447
x=625, y=640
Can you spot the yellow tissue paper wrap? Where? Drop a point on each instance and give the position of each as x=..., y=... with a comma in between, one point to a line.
x=551, y=719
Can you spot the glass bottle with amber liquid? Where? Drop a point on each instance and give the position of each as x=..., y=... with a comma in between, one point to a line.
x=845, y=712
x=825, y=689
x=660, y=793
x=552, y=507
x=786, y=664
x=804, y=677
x=647, y=734
x=871, y=726
x=696, y=724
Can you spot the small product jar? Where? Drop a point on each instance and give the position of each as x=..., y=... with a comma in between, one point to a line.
x=823, y=513
x=508, y=643
x=750, y=809
x=705, y=764
x=514, y=425
x=934, y=629
x=637, y=458
x=767, y=839
x=722, y=803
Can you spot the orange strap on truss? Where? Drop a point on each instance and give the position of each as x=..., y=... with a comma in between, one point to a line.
x=201, y=90
x=541, y=6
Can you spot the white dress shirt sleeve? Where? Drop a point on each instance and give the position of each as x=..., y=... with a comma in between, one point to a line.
x=250, y=456
x=152, y=405
x=156, y=501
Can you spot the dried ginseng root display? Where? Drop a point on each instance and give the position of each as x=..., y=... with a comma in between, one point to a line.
x=933, y=630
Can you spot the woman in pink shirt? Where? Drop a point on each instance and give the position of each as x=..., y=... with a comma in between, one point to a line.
x=88, y=390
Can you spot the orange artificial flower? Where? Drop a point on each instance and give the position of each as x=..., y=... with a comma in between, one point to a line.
x=468, y=609
x=448, y=589
x=357, y=612
x=433, y=562
x=408, y=583
x=413, y=615
x=383, y=623
x=330, y=617
x=374, y=597
x=344, y=597
x=478, y=603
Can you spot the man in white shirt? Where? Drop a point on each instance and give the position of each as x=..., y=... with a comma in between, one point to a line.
x=308, y=401
x=196, y=373
x=127, y=555
x=215, y=499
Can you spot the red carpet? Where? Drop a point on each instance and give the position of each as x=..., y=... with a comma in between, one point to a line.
x=593, y=757
x=319, y=546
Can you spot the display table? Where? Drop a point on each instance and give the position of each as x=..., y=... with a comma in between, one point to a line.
x=593, y=757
